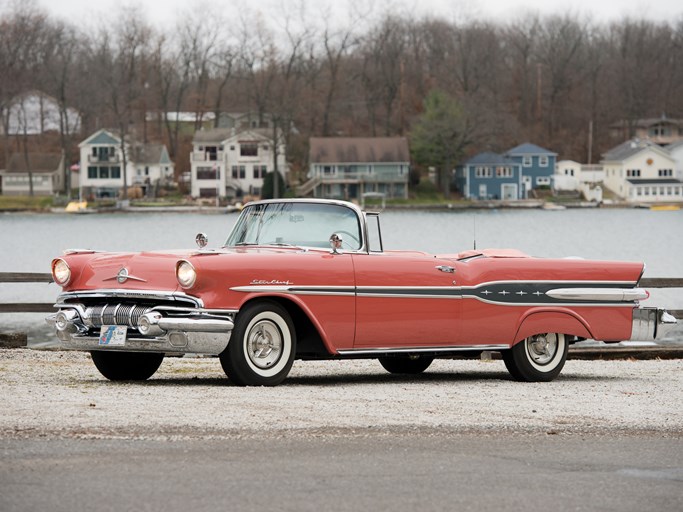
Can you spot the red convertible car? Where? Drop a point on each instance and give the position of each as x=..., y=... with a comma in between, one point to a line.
x=309, y=279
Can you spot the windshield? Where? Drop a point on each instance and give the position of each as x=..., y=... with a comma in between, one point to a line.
x=297, y=224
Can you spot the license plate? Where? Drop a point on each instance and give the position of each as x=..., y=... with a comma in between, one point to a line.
x=113, y=335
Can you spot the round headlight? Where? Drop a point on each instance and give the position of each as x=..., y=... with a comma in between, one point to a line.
x=186, y=274
x=61, y=272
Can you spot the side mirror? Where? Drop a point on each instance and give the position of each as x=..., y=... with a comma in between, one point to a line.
x=201, y=240
x=335, y=243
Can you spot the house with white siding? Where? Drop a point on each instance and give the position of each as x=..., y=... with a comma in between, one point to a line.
x=232, y=162
x=34, y=113
x=640, y=170
x=101, y=166
x=45, y=170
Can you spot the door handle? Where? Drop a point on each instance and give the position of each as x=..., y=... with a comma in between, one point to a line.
x=446, y=268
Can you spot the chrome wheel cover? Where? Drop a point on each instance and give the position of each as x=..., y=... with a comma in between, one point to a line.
x=542, y=348
x=264, y=344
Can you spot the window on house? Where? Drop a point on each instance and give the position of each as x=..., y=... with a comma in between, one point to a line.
x=248, y=149
x=526, y=161
x=543, y=161
x=243, y=172
x=92, y=172
x=146, y=171
x=208, y=173
x=260, y=171
x=235, y=172
x=503, y=172
x=211, y=153
x=662, y=131
x=116, y=172
x=543, y=181
x=483, y=172
x=327, y=169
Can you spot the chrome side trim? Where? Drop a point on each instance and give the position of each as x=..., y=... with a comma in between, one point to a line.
x=410, y=350
x=296, y=290
x=502, y=293
x=539, y=281
x=130, y=294
x=599, y=294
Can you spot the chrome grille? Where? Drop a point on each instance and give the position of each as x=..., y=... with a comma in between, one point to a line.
x=114, y=314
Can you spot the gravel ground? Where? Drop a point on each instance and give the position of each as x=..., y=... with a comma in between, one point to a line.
x=61, y=394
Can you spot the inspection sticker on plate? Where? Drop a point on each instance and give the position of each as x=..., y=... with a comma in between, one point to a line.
x=113, y=335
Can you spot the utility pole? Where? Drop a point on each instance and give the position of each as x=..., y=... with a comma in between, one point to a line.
x=590, y=141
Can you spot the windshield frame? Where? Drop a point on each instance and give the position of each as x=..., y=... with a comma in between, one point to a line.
x=358, y=213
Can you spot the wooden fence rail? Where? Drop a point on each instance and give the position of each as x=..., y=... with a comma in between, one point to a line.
x=46, y=277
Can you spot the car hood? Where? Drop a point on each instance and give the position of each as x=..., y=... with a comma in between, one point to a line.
x=139, y=271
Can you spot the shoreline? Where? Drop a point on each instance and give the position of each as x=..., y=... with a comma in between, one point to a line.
x=531, y=204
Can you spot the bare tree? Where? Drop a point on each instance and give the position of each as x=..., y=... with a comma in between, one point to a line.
x=61, y=49
x=21, y=36
x=119, y=57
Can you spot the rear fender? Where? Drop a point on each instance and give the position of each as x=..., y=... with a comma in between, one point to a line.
x=539, y=321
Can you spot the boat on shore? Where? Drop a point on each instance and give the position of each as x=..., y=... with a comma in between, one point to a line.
x=78, y=207
x=665, y=207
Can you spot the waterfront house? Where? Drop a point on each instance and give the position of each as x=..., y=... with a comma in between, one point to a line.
x=538, y=165
x=490, y=176
x=642, y=171
x=101, y=176
x=660, y=130
x=35, y=112
x=675, y=149
x=46, y=172
x=231, y=162
x=577, y=177
x=349, y=167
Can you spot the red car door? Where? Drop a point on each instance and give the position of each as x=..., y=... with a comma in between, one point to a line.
x=406, y=299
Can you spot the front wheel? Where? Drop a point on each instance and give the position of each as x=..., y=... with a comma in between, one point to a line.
x=406, y=364
x=262, y=346
x=126, y=365
x=538, y=358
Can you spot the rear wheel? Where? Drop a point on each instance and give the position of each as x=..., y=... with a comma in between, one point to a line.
x=538, y=358
x=127, y=365
x=262, y=346
x=406, y=364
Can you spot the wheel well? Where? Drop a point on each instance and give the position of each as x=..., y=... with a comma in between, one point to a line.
x=539, y=322
x=309, y=343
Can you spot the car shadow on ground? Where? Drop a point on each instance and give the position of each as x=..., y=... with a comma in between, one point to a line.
x=348, y=379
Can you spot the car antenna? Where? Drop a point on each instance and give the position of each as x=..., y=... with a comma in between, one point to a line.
x=474, y=231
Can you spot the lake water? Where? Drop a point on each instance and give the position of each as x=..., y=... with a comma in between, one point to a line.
x=28, y=242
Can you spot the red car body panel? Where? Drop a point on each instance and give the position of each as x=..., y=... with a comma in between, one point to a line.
x=347, y=320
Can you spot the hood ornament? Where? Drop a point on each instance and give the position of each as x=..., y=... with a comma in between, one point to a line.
x=122, y=276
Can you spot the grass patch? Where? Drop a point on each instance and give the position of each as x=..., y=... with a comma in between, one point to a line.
x=25, y=202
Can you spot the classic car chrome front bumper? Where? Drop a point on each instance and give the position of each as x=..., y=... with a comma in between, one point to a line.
x=651, y=324
x=170, y=330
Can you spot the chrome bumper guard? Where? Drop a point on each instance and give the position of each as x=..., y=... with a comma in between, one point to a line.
x=650, y=324
x=200, y=332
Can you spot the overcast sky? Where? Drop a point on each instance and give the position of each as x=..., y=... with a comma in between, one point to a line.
x=166, y=12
